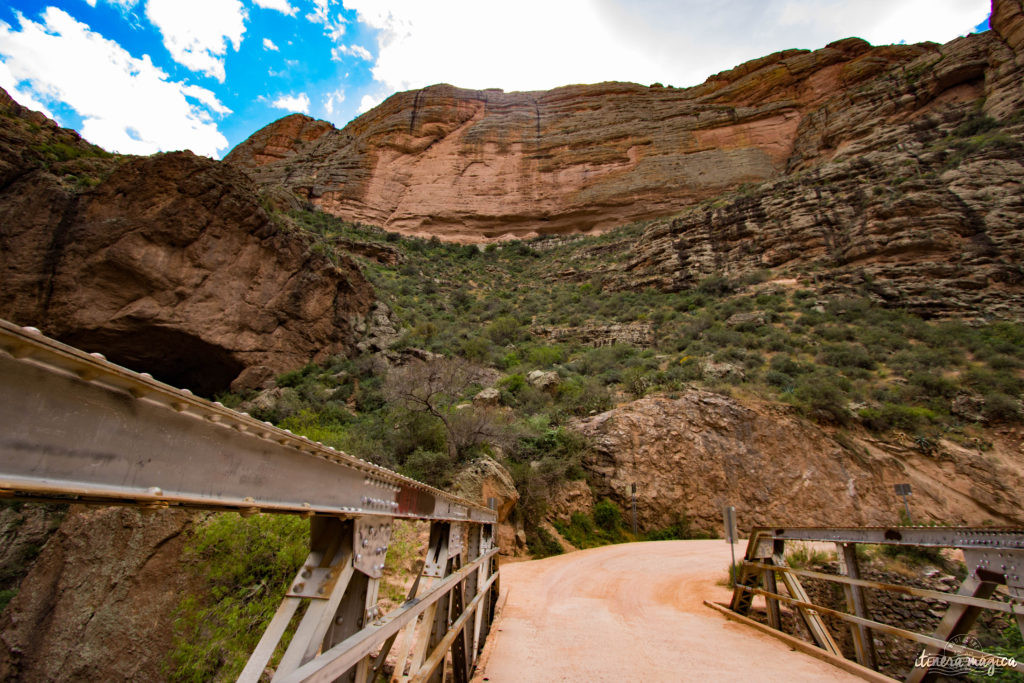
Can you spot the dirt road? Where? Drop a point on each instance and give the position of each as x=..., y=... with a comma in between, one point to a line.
x=633, y=612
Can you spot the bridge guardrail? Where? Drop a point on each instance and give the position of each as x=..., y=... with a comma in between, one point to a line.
x=994, y=558
x=77, y=428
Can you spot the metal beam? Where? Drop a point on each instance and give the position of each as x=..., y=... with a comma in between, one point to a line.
x=933, y=537
x=79, y=428
x=1008, y=607
x=884, y=628
x=350, y=651
x=856, y=602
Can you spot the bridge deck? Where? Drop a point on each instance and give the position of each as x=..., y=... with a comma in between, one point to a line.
x=633, y=612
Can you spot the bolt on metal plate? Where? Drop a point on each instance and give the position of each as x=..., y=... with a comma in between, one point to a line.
x=456, y=539
x=370, y=540
x=313, y=582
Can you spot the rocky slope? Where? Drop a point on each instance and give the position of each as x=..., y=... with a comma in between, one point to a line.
x=693, y=455
x=98, y=602
x=167, y=264
x=471, y=165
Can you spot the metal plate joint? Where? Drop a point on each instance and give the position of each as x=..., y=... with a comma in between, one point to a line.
x=456, y=539
x=314, y=582
x=370, y=545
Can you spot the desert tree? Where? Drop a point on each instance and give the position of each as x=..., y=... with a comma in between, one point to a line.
x=438, y=387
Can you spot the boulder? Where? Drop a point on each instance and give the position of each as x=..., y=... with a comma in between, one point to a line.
x=487, y=398
x=485, y=479
x=692, y=455
x=540, y=379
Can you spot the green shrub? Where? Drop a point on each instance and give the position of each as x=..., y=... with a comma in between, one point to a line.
x=1010, y=645
x=823, y=396
x=975, y=123
x=542, y=544
x=296, y=377
x=804, y=555
x=897, y=416
x=681, y=529
x=545, y=356
x=6, y=596
x=476, y=349
x=504, y=330
x=845, y=356
x=430, y=467
x=246, y=564
x=607, y=515
x=716, y=286
x=1001, y=408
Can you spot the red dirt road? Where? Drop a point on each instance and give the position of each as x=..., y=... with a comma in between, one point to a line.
x=633, y=612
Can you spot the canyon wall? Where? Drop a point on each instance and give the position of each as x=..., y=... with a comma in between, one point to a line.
x=474, y=165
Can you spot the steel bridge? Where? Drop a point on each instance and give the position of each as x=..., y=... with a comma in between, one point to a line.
x=77, y=428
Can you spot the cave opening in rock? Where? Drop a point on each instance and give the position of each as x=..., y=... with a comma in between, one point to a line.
x=173, y=356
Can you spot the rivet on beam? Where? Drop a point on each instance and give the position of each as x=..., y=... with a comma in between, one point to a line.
x=249, y=511
x=87, y=374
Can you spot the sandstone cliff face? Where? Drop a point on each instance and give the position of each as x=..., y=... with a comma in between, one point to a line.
x=693, y=455
x=921, y=203
x=170, y=265
x=472, y=165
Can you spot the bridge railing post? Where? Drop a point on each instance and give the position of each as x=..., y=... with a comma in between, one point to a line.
x=204, y=455
x=994, y=557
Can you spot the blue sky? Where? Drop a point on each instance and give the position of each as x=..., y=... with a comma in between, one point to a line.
x=141, y=76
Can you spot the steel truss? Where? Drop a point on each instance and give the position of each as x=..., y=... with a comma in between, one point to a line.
x=994, y=558
x=76, y=428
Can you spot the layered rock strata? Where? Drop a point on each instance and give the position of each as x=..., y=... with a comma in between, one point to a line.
x=473, y=165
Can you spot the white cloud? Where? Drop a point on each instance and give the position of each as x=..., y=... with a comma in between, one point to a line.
x=351, y=50
x=268, y=44
x=321, y=14
x=333, y=100
x=126, y=104
x=125, y=5
x=882, y=21
x=207, y=97
x=368, y=102
x=197, y=32
x=321, y=8
x=280, y=5
x=295, y=103
x=91, y=3
x=678, y=42
x=23, y=97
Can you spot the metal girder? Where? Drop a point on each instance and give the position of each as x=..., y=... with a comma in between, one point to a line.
x=341, y=657
x=76, y=427
x=994, y=556
x=934, y=537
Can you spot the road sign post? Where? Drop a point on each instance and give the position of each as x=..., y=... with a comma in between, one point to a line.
x=729, y=516
x=634, y=509
x=904, y=491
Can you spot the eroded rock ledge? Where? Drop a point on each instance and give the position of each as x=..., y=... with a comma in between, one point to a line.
x=170, y=265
